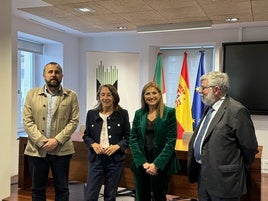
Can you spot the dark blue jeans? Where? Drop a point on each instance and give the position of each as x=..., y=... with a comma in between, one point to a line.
x=104, y=170
x=39, y=169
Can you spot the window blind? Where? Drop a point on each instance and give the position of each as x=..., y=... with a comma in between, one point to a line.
x=29, y=46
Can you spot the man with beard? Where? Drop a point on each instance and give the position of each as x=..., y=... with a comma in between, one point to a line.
x=50, y=116
x=224, y=144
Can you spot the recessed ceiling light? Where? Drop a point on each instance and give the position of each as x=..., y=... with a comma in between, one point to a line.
x=122, y=27
x=84, y=10
x=231, y=19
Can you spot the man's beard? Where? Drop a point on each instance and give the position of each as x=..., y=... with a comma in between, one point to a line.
x=209, y=99
x=53, y=83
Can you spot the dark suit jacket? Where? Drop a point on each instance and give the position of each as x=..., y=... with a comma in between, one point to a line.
x=228, y=150
x=118, y=132
x=164, y=141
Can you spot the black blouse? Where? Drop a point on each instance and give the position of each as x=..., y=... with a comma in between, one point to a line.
x=149, y=152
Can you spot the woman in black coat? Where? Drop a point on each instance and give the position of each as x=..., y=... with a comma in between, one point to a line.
x=107, y=137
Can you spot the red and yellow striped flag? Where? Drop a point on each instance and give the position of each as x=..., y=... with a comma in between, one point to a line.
x=183, y=101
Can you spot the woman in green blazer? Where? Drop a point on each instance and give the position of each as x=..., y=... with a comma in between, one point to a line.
x=152, y=143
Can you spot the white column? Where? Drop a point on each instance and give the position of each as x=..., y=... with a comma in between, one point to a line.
x=6, y=96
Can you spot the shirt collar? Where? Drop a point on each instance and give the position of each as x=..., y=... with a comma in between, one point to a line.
x=47, y=92
x=217, y=105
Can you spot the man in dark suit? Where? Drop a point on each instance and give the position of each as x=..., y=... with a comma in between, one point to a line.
x=221, y=153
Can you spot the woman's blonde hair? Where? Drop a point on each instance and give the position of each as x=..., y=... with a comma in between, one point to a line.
x=160, y=105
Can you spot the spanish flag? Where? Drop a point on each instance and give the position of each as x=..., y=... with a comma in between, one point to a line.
x=183, y=102
x=159, y=77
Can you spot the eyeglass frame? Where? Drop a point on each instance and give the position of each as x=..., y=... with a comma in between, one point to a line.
x=202, y=88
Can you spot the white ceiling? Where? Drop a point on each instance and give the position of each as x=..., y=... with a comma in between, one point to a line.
x=109, y=14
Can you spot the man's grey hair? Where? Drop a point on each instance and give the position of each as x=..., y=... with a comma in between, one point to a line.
x=216, y=78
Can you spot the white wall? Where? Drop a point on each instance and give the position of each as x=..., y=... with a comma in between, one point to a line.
x=127, y=65
x=70, y=48
x=148, y=44
x=261, y=126
x=70, y=45
x=7, y=95
x=75, y=59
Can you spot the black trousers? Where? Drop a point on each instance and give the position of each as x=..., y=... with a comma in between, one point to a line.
x=39, y=169
x=150, y=187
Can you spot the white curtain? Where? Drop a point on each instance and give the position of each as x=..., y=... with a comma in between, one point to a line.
x=172, y=62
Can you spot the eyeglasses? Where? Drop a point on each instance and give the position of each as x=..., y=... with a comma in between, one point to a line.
x=202, y=88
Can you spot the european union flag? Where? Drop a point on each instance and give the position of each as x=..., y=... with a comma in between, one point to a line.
x=198, y=105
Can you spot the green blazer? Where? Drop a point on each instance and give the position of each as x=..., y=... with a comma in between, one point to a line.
x=164, y=142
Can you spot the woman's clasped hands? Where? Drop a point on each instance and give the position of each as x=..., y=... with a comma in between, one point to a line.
x=150, y=168
x=110, y=150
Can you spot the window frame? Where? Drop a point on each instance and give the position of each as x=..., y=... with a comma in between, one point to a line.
x=172, y=69
x=35, y=59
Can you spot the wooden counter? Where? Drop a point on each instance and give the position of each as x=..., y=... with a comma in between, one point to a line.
x=179, y=184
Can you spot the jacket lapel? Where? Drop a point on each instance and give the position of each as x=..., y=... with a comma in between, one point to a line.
x=143, y=123
x=217, y=117
x=60, y=98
